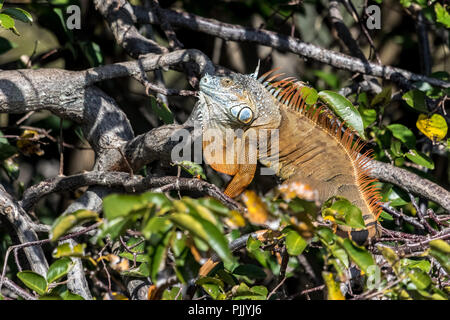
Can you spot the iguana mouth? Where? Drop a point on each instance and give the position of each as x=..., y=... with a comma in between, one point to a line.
x=206, y=86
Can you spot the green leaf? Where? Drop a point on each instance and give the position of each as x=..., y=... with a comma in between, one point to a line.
x=250, y=270
x=344, y=212
x=243, y=292
x=6, y=150
x=142, y=271
x=442, y=15
x=206, y=231
x=67, y=250
x=398, y=197
x=139, y=249
x=114, y=228
x=396, y=148
x=120, y=205
x=368, y=115
x=19, y=14
x=403, y=134
x=201, y=211
x=6, y=21
x=214, y=291
x=420, y=158
x=215, y=206
x=158, y=199
x=423, y=265
x=92, y=52
x=406, y=3
x=383, y=98
x=344, y=109
x=171, y=294
x=295, y=244
x=416, y=99
x=420, y=279
x=212, y=286
x=34, y=281
x=162, y=111
x=358, y=254
x=155, y=225
x=50, y=296
x=65, y=223
x=158, y=255
x=329, y=239
x=310, y=94
x=59, y=269
x=194, y=169
x=67, y=295
x=329, y=78
x=440, y=250
x=386, y=216
x=253, y=246
x=6, y=45
x=12, y=168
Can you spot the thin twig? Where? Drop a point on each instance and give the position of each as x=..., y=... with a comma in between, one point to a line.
x=41, y=242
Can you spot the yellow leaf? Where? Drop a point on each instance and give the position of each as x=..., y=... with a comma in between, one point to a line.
x=29, y=143
x=297, y=189
x=256, y=208
x=434, y=127
x=118, y=296
x=334, y=293
x=235, y=219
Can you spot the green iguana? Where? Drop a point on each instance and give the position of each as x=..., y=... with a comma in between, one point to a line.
x=313, y=146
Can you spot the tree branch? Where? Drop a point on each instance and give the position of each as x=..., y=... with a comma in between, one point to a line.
x=410, y=182
x=126, y=182
x=282, y=42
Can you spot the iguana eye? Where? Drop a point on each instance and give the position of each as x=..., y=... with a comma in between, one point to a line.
x=246, y=115
x=226, y=82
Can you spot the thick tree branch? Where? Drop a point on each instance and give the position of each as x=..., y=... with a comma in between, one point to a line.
x=121, y=25
x=410, y=182
x=126, y=183
x=22, y=226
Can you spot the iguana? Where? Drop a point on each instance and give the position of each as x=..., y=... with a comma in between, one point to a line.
x=313, y=145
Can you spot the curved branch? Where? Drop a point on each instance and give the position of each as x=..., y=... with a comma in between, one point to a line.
x=121, y=25
x=15, y=214
x=126, y=182
x=410, y=182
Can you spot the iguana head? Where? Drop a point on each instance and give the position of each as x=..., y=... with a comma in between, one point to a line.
x=241, y=105
x=236, y=101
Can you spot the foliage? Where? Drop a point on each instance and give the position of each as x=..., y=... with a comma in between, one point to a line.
x=170, y=239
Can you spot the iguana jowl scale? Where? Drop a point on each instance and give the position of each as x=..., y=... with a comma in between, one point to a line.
x=313, y=146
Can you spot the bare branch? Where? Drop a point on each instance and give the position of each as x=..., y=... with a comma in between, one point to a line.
x=121, y=25
x=282, y=42
x=410, y=182
x=128, y=183
x=21, y=223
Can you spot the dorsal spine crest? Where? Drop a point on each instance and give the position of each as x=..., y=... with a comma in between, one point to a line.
x=288, y=92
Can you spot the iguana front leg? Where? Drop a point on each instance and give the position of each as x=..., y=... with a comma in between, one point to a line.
x=243, y=177
x=242, y=167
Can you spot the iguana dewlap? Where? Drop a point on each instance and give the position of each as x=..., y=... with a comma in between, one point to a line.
x=313, y=147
